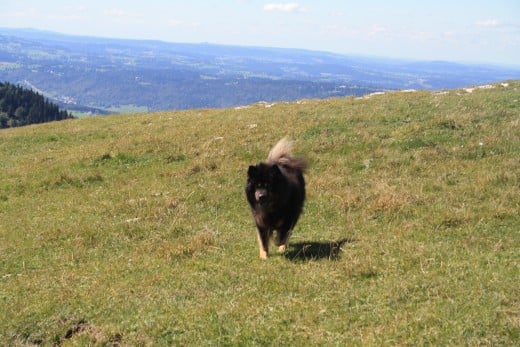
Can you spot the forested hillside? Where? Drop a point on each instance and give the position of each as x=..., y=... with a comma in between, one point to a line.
x=20, y=106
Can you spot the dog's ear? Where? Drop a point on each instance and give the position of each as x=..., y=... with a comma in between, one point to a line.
x=252, y=171
x=275, y=172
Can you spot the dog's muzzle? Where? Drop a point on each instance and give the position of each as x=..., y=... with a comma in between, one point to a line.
x=261, y=196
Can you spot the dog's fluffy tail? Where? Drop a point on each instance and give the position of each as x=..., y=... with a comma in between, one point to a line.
x=281, y=154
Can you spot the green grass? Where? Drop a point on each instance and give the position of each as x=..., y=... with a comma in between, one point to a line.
x=134, y=230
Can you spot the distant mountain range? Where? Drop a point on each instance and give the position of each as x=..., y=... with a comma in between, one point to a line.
x=101, y=75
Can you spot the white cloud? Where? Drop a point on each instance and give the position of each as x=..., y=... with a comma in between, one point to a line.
x=114, y=12
x=182, y=24
x=25, y=13
x=377, y=30
x=80, y=8
x=491, y=23
x=284, y=7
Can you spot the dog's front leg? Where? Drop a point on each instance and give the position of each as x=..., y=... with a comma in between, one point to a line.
x=282, y=238
x=263, y=235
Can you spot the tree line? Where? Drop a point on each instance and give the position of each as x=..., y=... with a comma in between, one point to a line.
x=20, y=106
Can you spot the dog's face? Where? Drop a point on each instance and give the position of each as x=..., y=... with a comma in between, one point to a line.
x=262, y=183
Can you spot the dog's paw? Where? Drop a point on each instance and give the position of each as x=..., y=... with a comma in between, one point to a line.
x=263, y=255
x=282, y=248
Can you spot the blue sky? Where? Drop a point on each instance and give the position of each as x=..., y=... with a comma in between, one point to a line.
x=456, y=30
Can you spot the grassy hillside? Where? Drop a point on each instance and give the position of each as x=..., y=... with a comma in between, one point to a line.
x=134, y=230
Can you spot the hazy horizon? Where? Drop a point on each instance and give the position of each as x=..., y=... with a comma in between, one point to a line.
x=463, y=31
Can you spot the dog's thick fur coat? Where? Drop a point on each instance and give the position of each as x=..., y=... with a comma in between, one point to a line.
x=275, y=190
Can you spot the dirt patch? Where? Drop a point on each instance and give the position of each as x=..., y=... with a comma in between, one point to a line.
x=82, y=329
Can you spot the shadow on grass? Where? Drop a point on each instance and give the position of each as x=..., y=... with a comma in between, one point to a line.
x=314, y=250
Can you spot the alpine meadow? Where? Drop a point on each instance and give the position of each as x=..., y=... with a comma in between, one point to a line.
x=135, y=230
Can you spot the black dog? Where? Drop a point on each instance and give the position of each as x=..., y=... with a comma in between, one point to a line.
x=275, y=191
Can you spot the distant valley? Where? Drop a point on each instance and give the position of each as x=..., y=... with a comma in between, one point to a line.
x=98, y=75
